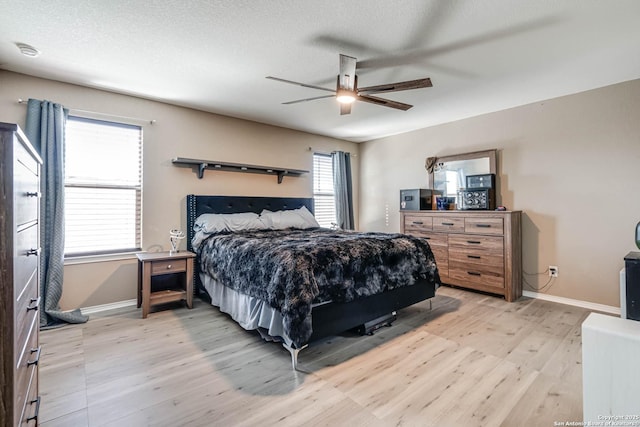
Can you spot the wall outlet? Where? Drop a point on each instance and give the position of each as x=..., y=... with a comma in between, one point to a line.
x=553, y=271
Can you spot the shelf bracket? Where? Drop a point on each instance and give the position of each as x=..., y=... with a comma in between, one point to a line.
x=201, y=169
x=281, y=175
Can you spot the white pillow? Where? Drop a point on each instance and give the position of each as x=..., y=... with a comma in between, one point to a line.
x=296, y=218
x=308, y=217
x=214, y=223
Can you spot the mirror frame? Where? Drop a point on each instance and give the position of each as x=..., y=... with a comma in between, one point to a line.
x=491, y=154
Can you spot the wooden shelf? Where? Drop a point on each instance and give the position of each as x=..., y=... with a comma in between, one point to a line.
x=199, y=167
x=169, y=295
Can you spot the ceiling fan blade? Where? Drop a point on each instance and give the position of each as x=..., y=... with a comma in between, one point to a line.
x=395, y=87
x=345, y=109
x=347, y=76
x=308, y=99
x=299, y=84
x=384, y=102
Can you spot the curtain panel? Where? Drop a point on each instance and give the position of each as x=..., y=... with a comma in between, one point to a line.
x=343, y=189
x=45, y=129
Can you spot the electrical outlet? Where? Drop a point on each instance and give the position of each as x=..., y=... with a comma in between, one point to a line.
x=553, y=271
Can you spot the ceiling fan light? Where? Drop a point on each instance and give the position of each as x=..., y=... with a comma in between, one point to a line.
x=345, y=96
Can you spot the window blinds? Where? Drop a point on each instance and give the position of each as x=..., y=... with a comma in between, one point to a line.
x=323, y=193
x=103, y=187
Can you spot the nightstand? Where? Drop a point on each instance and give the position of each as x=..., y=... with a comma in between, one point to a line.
x=153, y=264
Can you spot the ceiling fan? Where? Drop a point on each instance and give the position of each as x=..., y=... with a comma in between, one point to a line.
x=347, y=90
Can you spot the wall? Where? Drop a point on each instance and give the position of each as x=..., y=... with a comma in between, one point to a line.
x=178, y=132
x=571, y=164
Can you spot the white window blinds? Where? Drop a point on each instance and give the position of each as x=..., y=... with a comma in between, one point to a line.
x=323, y=194
x=103, y=187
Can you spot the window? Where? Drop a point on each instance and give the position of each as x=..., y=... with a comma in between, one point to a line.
x=323, y=194
x=103, y=187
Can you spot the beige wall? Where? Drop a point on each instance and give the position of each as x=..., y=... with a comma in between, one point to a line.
x=178, y=132
x=571, y=164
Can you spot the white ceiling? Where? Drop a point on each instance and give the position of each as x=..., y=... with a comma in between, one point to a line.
x=214, y=55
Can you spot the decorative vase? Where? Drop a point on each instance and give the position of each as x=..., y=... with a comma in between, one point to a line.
x=174, y=238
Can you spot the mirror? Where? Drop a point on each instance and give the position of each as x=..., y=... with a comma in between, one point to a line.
x=448, y=174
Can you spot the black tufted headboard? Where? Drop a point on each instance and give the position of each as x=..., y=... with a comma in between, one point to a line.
x=198, y=205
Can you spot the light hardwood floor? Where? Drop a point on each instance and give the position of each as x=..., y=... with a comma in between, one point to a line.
x=471, y=360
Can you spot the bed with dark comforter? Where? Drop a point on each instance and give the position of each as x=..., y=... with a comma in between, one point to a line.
x=293, y=269
x=299, y=285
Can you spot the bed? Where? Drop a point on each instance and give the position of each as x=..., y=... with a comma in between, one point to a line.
x=307, y=283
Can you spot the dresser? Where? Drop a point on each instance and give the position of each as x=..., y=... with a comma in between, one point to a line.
x=20, y=285
x=479, y=250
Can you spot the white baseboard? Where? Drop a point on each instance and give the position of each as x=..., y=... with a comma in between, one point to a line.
x=578, y=303
x=111, y=306
x=546, y=297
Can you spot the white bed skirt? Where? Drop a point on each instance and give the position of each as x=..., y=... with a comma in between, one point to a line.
x=251, y=313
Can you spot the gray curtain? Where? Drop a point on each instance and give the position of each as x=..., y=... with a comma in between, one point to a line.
x=45, y=130
x=343, y=189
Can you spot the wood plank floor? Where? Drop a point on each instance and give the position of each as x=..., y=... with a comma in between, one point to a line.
x=470, y=360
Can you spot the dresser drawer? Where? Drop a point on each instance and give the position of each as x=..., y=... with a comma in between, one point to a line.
x=440, y=248
x=484, y=226
x=413, y=223
x=479, y=259
x=26, y=370
x=26, y=312
x=448, y=224
x=442, y=260
x=168, y=266
x=26, y=190
x=25, y=263
x=31, y=408
x=475, y=276
x=491, y=245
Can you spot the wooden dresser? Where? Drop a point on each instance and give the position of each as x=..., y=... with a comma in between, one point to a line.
x=20, y=285
x=480, y=250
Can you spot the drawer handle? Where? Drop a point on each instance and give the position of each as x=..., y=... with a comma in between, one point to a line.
x=169, y=267
x=473, y=256
x=473, y=242
x=37, y=411
x=448, y=223
x=34, y=306
x=37, y=359
x=32, y=251
x=473, y=273
x=418, y=222
x=483, y=225
x=34, y=194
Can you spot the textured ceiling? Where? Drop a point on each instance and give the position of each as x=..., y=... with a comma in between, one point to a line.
x=482, y=56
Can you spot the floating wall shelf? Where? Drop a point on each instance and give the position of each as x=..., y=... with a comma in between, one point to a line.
x=199, y=167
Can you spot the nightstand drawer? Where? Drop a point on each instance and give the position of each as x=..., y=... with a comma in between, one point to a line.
x=168, y=266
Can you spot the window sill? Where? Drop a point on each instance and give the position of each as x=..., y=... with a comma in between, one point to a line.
x=88, y=259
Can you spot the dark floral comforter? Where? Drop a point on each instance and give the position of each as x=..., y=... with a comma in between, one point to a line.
x=293, y=269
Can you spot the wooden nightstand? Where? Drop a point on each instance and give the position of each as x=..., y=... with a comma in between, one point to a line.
x=151, y=264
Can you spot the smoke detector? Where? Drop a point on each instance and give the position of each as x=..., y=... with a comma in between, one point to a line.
x=28, y=50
